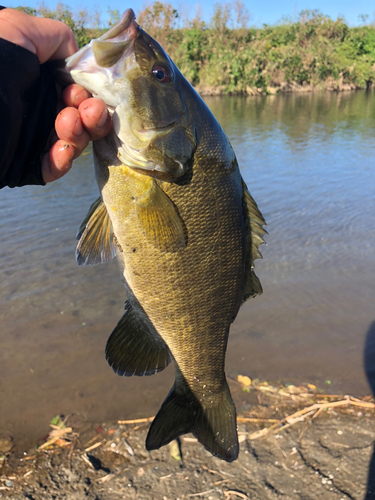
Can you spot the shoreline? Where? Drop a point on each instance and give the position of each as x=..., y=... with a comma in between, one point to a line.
x=285, y=88
x=295, y=442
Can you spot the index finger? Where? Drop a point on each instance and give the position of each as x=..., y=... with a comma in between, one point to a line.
x=49, y=39
x=74, y=95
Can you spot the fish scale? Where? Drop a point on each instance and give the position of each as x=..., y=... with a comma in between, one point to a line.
x=176, y=212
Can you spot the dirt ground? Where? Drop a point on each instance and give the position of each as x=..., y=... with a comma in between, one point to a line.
x=324, y=451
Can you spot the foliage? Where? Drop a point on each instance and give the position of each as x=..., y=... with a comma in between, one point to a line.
x=312, y=51
x=76, y=21
x=114, y=16
x=306, y=52
x=158, y=20
x=27, y=10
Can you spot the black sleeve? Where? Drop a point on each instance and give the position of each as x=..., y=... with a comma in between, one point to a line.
x=27, y=114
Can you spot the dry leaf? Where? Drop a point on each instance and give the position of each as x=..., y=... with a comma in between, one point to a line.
x=267, y=388
x=246, y=381
x=174, y=450
x=62, y=442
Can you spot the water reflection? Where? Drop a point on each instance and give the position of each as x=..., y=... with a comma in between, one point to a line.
x=309, y=162
x=298, y=115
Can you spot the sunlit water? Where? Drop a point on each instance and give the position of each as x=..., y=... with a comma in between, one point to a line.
x=309, y=161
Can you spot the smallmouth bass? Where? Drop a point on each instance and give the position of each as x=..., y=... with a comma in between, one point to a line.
x=176, y=212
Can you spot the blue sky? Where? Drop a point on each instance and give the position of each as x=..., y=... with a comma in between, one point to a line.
x=263, y=11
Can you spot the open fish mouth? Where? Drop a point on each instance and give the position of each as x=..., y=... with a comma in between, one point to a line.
x=118, y=67
x=122, y=34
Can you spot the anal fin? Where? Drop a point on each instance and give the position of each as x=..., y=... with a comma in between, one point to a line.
x=135, y=347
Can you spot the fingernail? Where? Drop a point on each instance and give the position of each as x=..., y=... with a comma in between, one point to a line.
x=103, y=120
x=81, y=96
x=77, y=129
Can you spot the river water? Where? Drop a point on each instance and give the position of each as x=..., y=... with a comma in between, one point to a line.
x=309, y=162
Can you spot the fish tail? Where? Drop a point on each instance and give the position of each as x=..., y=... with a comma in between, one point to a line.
x=213, y=426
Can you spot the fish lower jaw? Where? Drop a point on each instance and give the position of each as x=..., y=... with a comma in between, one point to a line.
x=157, y=173
x=133, y=159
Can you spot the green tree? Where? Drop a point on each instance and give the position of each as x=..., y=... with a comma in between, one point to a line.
x=114, y=16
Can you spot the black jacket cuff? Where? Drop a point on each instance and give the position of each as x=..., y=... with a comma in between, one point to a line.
x=28, y=101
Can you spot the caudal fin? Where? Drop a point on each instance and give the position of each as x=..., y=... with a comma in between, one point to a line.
x=214, y=427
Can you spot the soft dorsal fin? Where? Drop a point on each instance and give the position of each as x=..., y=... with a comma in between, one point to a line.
x=159, y=220
x=97, y=243
x=135, y=347
x=254, y=237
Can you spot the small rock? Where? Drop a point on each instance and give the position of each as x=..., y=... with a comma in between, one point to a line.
x=140, y=472
x=6, y=444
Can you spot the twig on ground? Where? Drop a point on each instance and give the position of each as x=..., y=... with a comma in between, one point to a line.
x=301, y=415
x=106, y=478
x=225, y=473
x=136, y=421
x=210, y=470
x=162, y=478
x=228, y=494
x=91, y=440
x=200, y=494
x=55, y=435
x=85, y=458
x=250, y=419
x=92, y=447
x=74, y=442
x=216, y=483
x=304, y=428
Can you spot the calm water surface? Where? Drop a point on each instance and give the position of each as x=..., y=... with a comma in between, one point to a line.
x=309, y=161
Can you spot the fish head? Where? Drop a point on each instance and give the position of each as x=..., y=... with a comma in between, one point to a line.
x=144, y=91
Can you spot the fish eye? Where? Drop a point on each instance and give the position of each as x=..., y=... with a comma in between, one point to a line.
x=162, y=73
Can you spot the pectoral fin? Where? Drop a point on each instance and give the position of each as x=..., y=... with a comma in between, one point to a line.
x=135, y=347
x=159, y=220
x=254, y=237
x=97, y=243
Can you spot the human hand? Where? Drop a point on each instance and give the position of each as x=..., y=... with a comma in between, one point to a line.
x=81, y=118
x=84, y=119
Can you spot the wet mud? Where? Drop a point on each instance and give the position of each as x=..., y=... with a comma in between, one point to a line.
x=292, y=446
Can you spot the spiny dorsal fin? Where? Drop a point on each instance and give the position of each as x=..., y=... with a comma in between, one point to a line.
x=160, y=221
x=254, y=237
x=135, y=347
x=97, y=243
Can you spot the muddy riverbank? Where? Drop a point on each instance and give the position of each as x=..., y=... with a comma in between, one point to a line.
x=294, y=443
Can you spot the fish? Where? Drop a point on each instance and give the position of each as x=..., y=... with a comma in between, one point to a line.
x=176, y=213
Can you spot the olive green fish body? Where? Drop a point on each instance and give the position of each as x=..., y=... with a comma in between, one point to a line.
x=191, y=296
x=176, y=212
